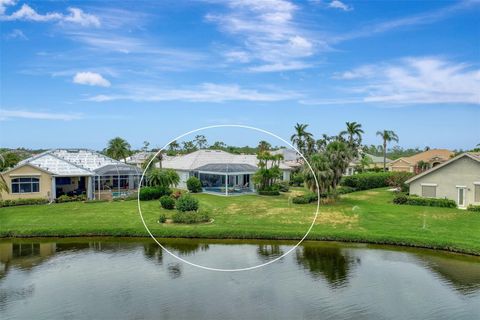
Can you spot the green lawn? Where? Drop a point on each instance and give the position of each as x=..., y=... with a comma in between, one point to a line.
x=366, y=216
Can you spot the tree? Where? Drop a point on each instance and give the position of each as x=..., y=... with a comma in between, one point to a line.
x=164, y=178
x=173, y=146
x=354, y=133
x=189, y=146
x=264, y=146
x=321, y=170
x=387, y=136
x=218, y=145
x=268, y=172
x=364, y=163
x=146, y=144
x=200, y=141
x=299, y=138
x=8, y=160
x=118, y=148
x=3, y=183
x=339, y=155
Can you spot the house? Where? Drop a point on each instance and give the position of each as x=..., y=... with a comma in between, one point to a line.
x=421, y=161
x=219, y=171
x=70, y=172
x=376, y=162
x=457, y=179
x=290, y=157
x=139, y=158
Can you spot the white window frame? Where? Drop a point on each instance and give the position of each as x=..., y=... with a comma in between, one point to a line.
x=475, y=184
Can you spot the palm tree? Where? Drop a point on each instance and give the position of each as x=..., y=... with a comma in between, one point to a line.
x=173, y=146
x=339, y=155
x=321, y=170
x=3, y=183
x=299, y=138
x=200, y=141
x=354, y=132
x=263, y=146
x=165, y=178
x=387, y=136
x=118, y=148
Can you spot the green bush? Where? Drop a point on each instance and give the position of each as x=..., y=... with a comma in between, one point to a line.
x=154, y=193
x=23, y=202
x=345, y=190
x=162, y=218
x=297, y=179
x=189, y=217
x=194, y=185
x=372, y=180
x=187, y=203
x=167, y=202
x=429, y=202
x=306, y=198
x=283, y=186
x=473, y=208
x=96, y=201
x=66, y=198
x=269, y=192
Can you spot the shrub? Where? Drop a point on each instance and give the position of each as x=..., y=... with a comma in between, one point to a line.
x=187, y=203
x=153, y=193
x=473, y=208
x=283, y=186
x=372, y=180
x=297, y=179
x=194, y=185
x=23, y=202
x=345, y=190
x=167, y=202
x=429, y=202
x=162, y=218
x=96, y=201
x=269, y=192
x=306, y=198
x=131, y=196
x=67, y=198
x=190, y=217
x=177, y=194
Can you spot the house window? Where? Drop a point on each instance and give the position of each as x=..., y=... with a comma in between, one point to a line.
x=477, y=193
x=429, y=191
x=25, y=185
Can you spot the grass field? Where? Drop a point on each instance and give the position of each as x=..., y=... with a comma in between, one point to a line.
x=366, y=216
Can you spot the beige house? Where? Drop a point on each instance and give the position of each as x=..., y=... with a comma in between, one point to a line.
x=70, y=172
x=431, y=158
x=457, y=179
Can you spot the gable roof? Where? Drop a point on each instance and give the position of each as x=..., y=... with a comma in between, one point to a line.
x=472, y=155
x=199, y=158
x=73, y=162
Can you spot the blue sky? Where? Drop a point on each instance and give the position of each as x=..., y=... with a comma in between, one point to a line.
x=75, y=74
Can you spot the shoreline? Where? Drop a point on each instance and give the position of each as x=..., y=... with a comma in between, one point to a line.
x=404, y=244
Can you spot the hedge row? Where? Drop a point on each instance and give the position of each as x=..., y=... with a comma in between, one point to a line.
x=429, y=202
x=154, y=193
x=372, y=180
x=473, y=208
x=23, y=202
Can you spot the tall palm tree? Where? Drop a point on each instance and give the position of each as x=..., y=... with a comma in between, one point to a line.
x=118, y=148
x=299, y=138
x=339, y=155
x=263, y=146
x=354, y=132
x=200, y=141
x=387, y=136
x=321, y=170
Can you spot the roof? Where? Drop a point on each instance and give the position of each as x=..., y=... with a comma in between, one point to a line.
x=426, y=156
x=197, y=159
x=74, y=162
x=472, y=155
x=288, y=154
x=139, y=157
x=227, y=168
x=376, y=159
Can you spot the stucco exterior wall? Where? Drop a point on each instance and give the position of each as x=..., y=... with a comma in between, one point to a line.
x=462, y=172
x=45, y=186
x=184, y=175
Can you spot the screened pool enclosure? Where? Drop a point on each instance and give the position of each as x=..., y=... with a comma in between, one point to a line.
x=226, y=178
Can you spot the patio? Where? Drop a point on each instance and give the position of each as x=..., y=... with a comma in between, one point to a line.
x=226, y=178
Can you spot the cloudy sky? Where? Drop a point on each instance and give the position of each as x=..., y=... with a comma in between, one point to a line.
x=74, y=74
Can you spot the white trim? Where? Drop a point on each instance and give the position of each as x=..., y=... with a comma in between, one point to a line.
x=476, y=183
x=25, y=175
x=462, y=187
x=429, y=184
x=464, y=204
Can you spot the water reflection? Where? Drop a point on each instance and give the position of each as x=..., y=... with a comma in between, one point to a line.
x=269, y=251
x=332, y=264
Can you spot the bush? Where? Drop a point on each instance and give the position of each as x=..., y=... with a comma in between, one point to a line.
x=429, y=202
x=345, y=190
x=23, y=202
x=162, y=218
x=397, y=180
x=473, y=208
x=194, y=185
x=306, y=198
x=67, y=198
x=190, y=217
x=167, y=202
x=297, y=179
x=269, y=192
x=96, y=201
x=177, y=194
x=283, y=186
x=154, y=193
x=372, y=180
x=187, y=203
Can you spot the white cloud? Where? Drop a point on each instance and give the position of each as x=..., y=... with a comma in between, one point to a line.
x=27, y=13
x=206, y=92
x=339, y=5
x=266, y=32
x=9, y=114
x=16, y=34
x=418, y=80
x=288, y=66
x=91, y=79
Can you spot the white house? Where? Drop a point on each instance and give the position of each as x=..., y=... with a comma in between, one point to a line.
x=219, y=171
x=457, y=179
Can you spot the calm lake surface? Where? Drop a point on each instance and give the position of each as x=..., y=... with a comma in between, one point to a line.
x=101, y=278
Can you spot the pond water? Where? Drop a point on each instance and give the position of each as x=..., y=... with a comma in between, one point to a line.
x=99, y=278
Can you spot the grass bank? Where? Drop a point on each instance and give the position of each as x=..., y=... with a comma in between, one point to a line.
x=366, y=216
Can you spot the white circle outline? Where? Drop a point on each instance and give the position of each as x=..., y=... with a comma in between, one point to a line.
x=221, y=269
